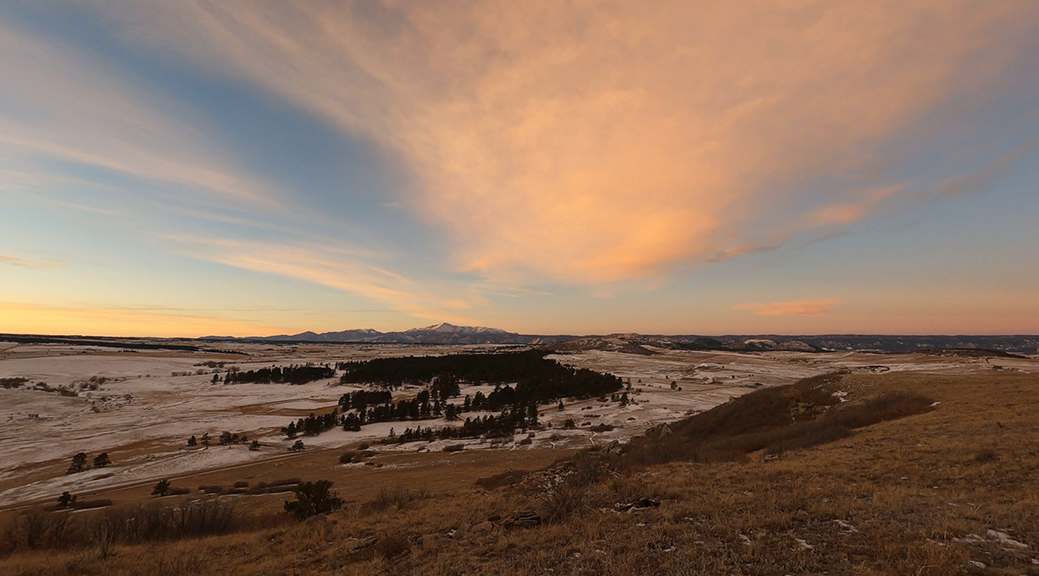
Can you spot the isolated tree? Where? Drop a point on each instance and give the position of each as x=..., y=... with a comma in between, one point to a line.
x=255, y=446
x=192, y=441
x=216, y=378
x=450, y=412
x=205, y=439
x=102, y=460
x=561, y=408
x=298, y=446
x=313, y=498
x=162, y=488
x=66, y=500
x=79, y=463
x=569, y=424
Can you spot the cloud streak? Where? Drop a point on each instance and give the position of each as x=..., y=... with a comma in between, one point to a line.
x=795, y=308
x=23, y=263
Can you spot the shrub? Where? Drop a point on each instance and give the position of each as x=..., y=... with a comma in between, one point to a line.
x=986, y=455
x=88, y=504
x=66, y=500
x=313, y=498
x=241, y=484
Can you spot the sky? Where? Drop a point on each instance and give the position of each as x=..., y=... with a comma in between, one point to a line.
x=190, y=168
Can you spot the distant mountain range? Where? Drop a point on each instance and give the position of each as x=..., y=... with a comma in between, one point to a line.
x=445, y=333
x=442, y=333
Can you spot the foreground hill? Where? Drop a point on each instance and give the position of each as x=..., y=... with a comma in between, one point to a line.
x=947, y=487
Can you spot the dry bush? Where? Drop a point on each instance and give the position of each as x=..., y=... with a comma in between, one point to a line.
x=506, y=478
x=38, y=529
x=397, y=498
x=392, y=544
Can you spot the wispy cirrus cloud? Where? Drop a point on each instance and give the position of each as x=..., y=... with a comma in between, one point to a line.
x=596, y=143
x=358, y=272
x=793, y=308
x=60, y=105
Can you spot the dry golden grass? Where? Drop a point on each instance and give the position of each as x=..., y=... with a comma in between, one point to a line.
x=917, y=495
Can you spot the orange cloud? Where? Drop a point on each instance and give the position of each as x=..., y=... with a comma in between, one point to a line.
x=592, y=142
x=798, y=308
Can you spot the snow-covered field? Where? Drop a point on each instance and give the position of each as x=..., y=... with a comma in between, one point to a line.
x=142, y=406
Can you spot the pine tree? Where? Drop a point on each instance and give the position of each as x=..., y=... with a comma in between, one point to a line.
x=79, y=463
x=192, y=441
x=102, y=460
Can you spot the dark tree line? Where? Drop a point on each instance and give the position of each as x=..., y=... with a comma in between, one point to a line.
x=363, y=398
x=313, y=424
x=470, y=368
x=293, y=374
x=536, y=379
x=488, y=426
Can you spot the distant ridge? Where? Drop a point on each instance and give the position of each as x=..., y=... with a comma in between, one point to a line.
x=445, y=333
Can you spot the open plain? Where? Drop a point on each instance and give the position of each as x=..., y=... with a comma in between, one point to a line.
x=948, y=491
x=141, y=406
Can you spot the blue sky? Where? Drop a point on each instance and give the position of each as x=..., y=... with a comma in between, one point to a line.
x=191, y=168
